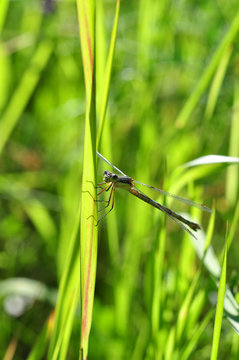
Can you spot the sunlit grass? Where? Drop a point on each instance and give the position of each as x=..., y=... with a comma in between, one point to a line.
x=149, y=113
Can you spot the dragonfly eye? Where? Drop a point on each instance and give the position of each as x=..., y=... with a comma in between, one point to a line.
x=107, y=176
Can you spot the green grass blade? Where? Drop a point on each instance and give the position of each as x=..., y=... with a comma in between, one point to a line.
x=3, y=11
x=187, y=352
x=89, y=232
x=217, y=83
x=108, y=71
x=211, y=262
x=186, y=111
x=184, y=311
x=105, y=139
x=219, y=309
x=210, y=230
x=212, y=159
x=24, y=90
x=158, y=262
x=5, y=75
x=170, y=345
x=39, y=348
x=233, y=225
x=232, y=171
x=42, y=219
x=68, y=296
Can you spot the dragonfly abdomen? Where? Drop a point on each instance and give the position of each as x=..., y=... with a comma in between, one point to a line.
x=166, y=210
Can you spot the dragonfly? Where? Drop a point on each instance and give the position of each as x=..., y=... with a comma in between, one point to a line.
x=113, y=181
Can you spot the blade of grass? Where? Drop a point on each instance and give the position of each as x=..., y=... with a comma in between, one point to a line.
x=3, y=12
x=185, y=308
x=5, y=75
x=195, y=172
x=211, y=262
x=85, y=260
x=179, y=179
x=191, y=345
x=89, y=232
x=187, y=109
x=42, y=220
x=68, y=295
x=212, y=159
x=24, y=90
x=158, y=264
x=108, y=71
x=233, y=226
x=105, y=138
x=219, y=309
x=210, y=230
x=217, y=83
x=170, y=345
x=39, y=348
x=195, y=312
x=232, y=171
x=11, y=349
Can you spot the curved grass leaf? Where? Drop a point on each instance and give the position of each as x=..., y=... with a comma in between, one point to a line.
x=107, y=76
x=81, y=256
x=88, y=231
x=232, y=171
x=219, y=309
x=3, y=11
x=103, y=73
x=217, y=83
x=38, y=349
x=209, y=258
x=212, y=159
x=24, y=90
x=195, y=337
x=208, y=73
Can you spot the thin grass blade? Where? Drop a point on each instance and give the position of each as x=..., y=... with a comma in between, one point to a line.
x=24, y=90
x=186, y=111
x=3, y=12
x=212, y=159
x=89, y=232
x=210, y=261
x=232, y=172
x=219, y=309
x=107, y=76
x=217, y=83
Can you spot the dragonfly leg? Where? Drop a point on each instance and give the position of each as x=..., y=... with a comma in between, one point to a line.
x=104, y=188
x=107, y=201
x=99, y=186
x=112, y=195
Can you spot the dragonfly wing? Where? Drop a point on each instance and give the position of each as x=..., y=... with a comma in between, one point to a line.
x=180, y=224
x=177, y=221
x=176, y=197
x=109, y=163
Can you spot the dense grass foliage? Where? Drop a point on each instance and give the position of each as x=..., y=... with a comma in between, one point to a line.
x=167, y=92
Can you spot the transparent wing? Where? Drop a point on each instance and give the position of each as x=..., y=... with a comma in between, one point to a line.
x=109, y=163
x=182, y=225
x=175, y=220
x=176, y=197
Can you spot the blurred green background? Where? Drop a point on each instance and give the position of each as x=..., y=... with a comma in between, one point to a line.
x=162, y=52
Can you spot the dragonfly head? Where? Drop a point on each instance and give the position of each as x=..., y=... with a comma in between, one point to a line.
x=110, y=177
